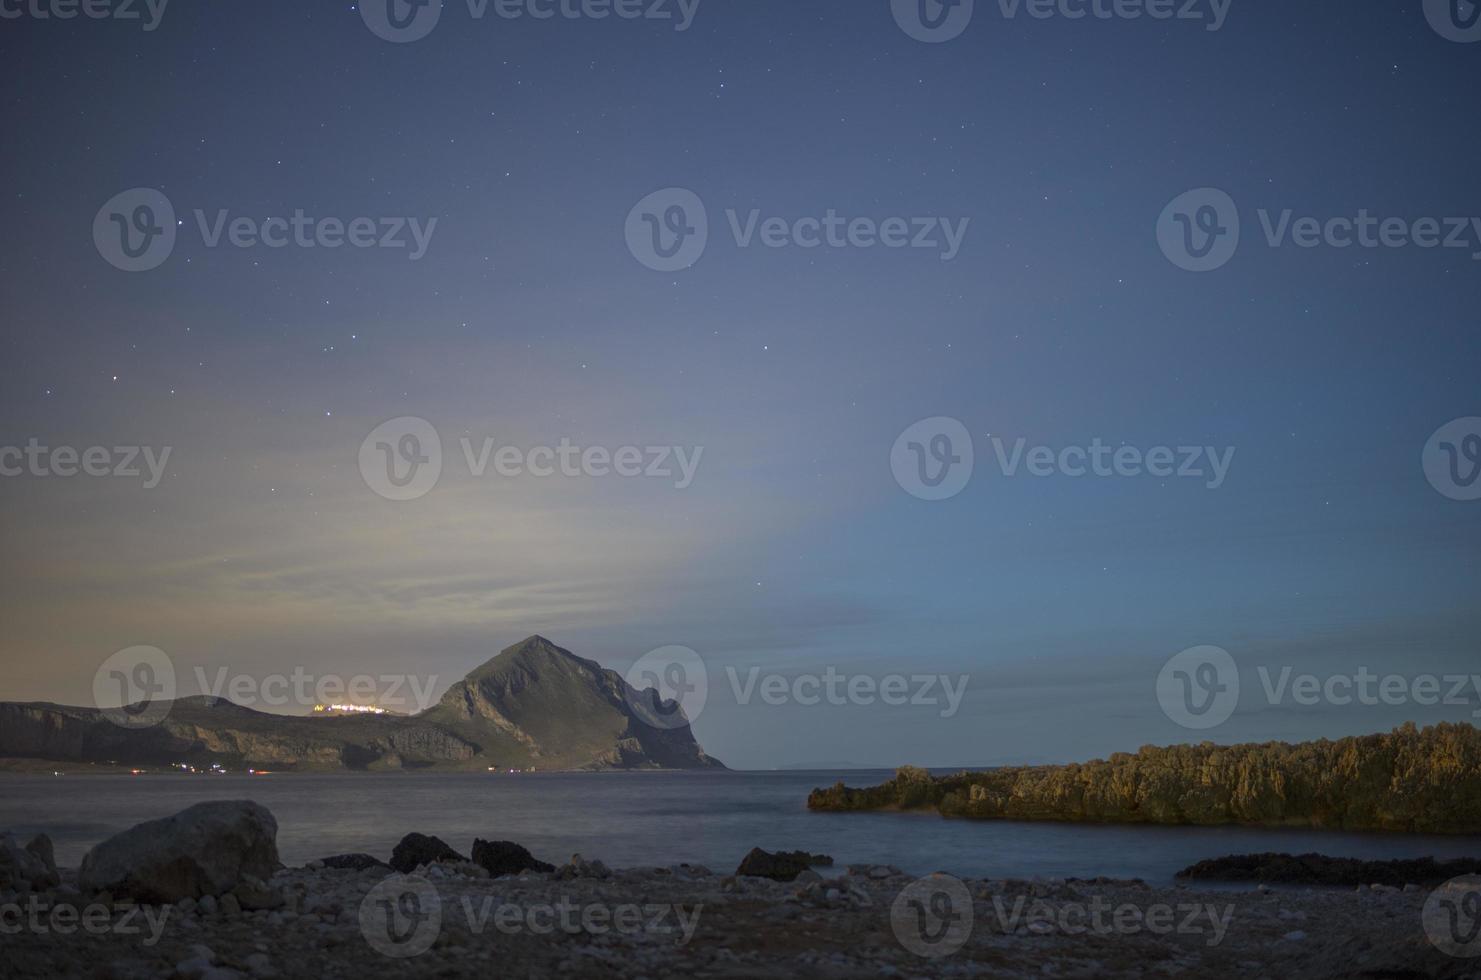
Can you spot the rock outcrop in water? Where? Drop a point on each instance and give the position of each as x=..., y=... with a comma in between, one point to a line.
x=1318, y=869
x=1417, y=780
x=781, y=866
x=534, y=705
x=418, y=849
x=502, y=857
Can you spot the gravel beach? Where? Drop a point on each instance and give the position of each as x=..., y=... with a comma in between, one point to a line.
x=454, y=920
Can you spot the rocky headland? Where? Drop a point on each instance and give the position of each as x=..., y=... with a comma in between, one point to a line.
x=1409, y=780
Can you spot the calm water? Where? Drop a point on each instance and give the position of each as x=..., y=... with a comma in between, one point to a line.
x=631, y=819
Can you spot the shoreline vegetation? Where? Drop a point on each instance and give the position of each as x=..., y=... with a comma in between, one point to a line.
x=1409, y=780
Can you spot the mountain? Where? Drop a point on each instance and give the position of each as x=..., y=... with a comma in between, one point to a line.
x=561, y=712
x=534, y=705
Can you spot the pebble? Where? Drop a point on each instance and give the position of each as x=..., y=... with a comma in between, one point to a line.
x=193, y=968
x=808, y=916
x=260, y=966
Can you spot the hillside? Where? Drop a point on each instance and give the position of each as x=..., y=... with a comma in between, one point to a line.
x=535, y=704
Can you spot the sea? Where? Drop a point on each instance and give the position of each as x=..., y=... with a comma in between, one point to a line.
x=630, y=819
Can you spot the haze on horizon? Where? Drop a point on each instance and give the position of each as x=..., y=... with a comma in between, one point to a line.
x=794, y=548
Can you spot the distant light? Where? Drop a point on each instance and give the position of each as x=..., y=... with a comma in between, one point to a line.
x=356, y=708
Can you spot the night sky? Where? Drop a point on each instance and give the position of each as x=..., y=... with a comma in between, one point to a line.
x=528, y=320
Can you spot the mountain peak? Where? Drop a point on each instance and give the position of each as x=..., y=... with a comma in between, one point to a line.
x=534, y=643
x=533, y=656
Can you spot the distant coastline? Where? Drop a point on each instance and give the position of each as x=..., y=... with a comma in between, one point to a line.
x=535, y=707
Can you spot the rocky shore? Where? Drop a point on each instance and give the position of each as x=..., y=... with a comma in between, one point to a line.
x=1410, y=780
x=353, y=916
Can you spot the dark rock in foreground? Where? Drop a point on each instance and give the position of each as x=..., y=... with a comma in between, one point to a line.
x=207, y=849
x=1318, y=869
x=27, y=868
x=418, y=849
x=352, y=862
x=781, y=866
x=502, y=857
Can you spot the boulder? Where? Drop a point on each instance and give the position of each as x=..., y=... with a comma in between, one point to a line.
x=27, y=868
x=502, y=857
x=781, y=866
x=206, y=849
x=582, y=868
x=40, y=847
x=419, y=849
x=352, y=862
